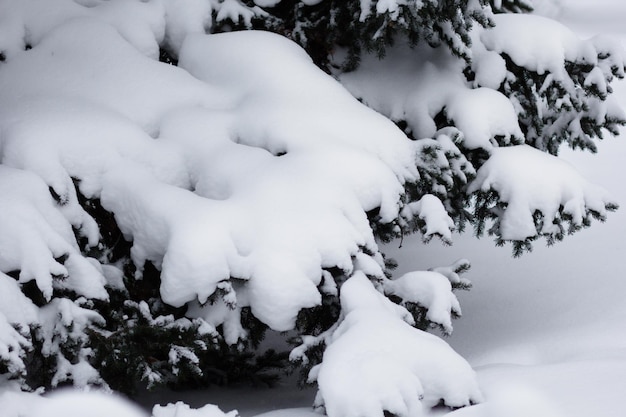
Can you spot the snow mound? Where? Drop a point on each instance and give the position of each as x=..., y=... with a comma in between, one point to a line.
x=407, y=369
x=431, y=290
x=432, y=212
x=537, y=43
x=530, y=182
x=482, y=114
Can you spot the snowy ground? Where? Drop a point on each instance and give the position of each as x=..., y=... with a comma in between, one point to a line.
x=547, y=332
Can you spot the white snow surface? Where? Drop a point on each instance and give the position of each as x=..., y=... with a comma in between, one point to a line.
x=529, y=180
x=431, y=210
x=537, y=43
x=237, y=174
x=429, y=289
x=404, y=364
x=36, y=234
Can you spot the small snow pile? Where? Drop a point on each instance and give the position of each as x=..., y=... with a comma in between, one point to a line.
x=482, y=114
x=17, y=312
x=213, y=168
x=13, y=343
x=181, y=409
x=432, y=212
x=430, y=290
x=537, y=43
x=14, y=305
x=146, y=25
x=569, y=78
x=530, y=182
x=64, y=323
x=407, y=369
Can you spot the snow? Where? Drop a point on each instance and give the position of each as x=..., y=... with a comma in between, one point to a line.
x=184, y=17
x=552, y=326
x=527, y=191
x=415, y=84
x=14, y=305
x=545, y=48
x=432, y=211
x=290, y=412
x=482, y=114
x=407, y=369
x=431, y=290
x=183, y=410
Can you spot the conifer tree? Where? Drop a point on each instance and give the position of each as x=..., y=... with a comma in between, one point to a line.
x=162, y=214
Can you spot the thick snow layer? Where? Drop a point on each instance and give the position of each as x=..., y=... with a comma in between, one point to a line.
x=409, y=89
x=19, y=404
x=529, y=180
x=146, y=25
x=556, y=311
x=407, y=369
x=482, y=114
x=236, y=176
x=67, y=403
x=141, y=23
x=574, y=388
x=432, y=212
x=429, y=289
x=62, y=321
x=38, y=240
x=537, y=43
x=415, y=84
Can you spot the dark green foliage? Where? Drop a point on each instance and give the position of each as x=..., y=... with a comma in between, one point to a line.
x=511, y=6
x=40, y=368
x=333, y=25
x=488, y=208
x=561, y=111
x=152, y=344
